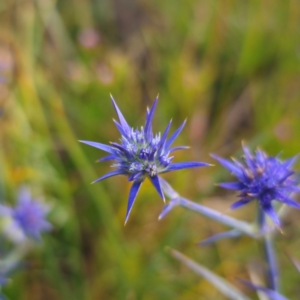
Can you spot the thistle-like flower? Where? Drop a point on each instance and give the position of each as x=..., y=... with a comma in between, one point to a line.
x=262, y=178
x=26, y=219
x=141, y=154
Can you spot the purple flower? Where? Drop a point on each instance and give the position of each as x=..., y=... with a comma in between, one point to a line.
x=142, y=154
x=262, y=178
x=26, y=219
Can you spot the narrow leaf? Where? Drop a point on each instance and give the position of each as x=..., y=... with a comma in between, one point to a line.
x=220, y=236
x=226, y=288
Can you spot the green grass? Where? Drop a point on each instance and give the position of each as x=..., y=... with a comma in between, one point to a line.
x=230, y=67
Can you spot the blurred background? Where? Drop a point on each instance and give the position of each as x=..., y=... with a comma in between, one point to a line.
x=231, y=67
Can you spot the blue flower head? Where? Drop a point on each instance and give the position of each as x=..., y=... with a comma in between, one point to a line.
x=262, y=178
x=26, y=219
x=141, y=154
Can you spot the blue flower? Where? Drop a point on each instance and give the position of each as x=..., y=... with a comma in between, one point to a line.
x=26, y=219
x=262, y=178
x=142, y=154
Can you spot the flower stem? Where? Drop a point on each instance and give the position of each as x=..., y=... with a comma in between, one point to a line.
x=272, y=271
x=241, y=226
x=270, y=256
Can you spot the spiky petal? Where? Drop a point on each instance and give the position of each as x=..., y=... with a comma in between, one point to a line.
x=186, y=165
x=141, y=154
x=156, y=183
x=262, y=178
x=132, y=196
x=123, y=122
x=148, y=125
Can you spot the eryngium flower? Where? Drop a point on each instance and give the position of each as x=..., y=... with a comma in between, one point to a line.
x=26, y=219
x=262, y=178
x=142, y=154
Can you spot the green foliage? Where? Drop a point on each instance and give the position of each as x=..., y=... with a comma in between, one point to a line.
x=230, y=67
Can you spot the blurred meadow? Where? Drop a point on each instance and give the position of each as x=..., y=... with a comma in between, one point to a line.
x=232, y=68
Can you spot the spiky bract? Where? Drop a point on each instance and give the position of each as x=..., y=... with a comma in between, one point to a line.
x=142, y=154
x=262, y=178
